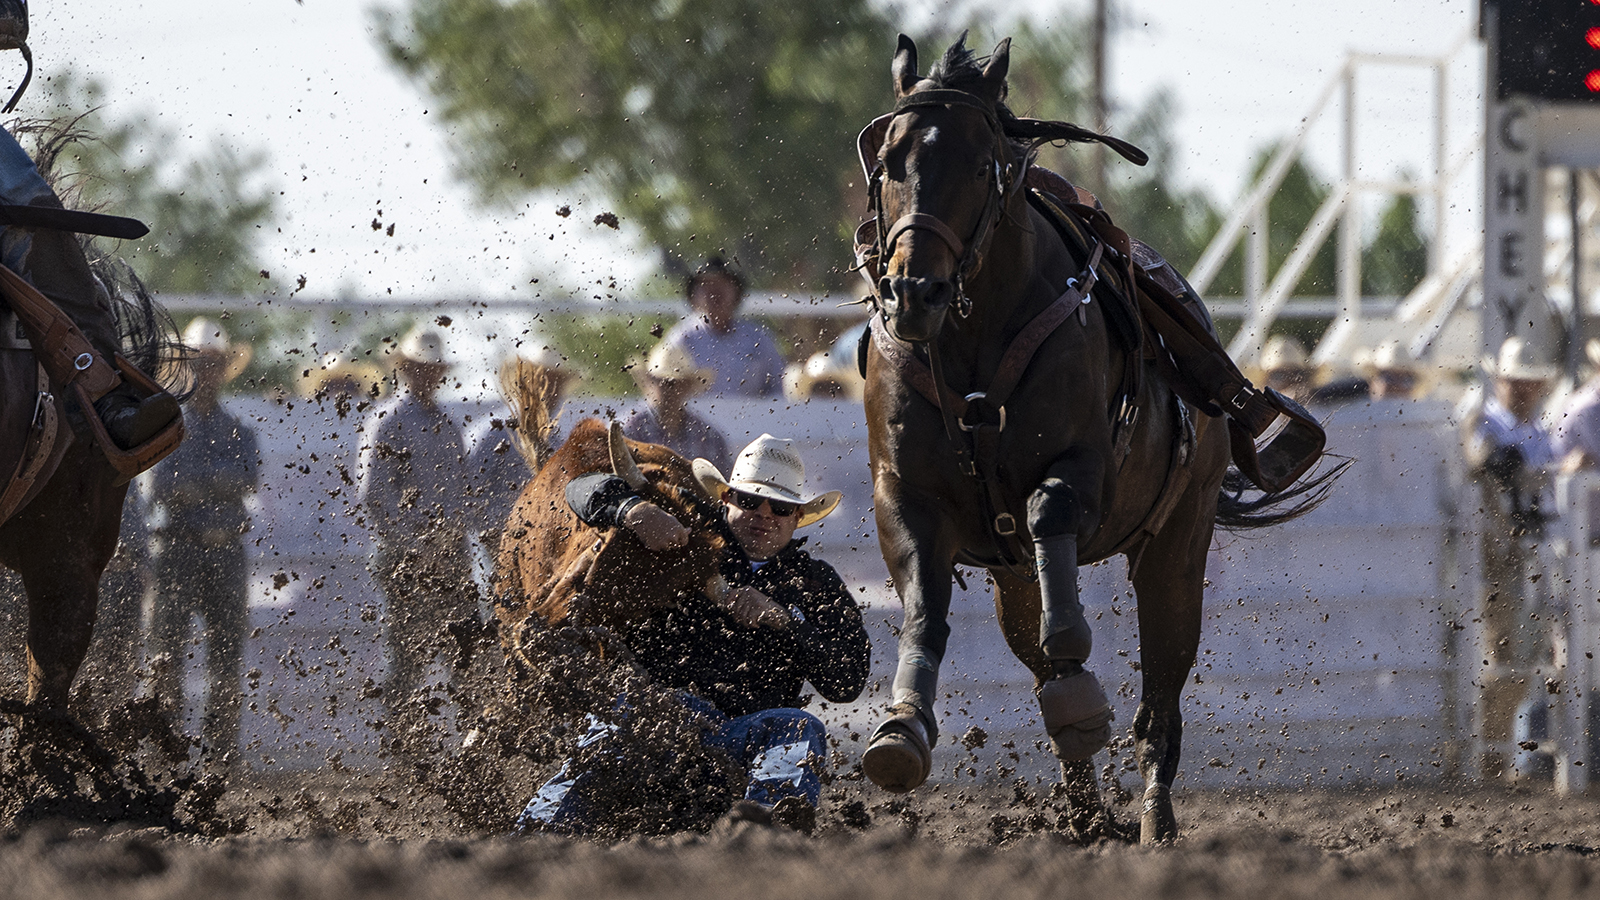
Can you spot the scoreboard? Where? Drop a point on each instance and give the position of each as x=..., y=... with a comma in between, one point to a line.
x=1548, y=49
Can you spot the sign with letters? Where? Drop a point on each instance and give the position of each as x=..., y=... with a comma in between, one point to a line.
x=1513, y=238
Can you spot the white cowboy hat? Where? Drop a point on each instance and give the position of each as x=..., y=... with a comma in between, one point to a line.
x=422, y=345
x=1284, y=352
x=206, y=337
x=770, y=467
x=340, y=366
x=1389, y=356
x=673, y=362
x=1518, y=362
x=543, y=356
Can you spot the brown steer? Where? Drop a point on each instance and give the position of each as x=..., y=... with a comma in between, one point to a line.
x=555, y=570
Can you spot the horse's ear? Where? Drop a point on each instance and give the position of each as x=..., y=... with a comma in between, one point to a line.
x=904, y=67
x=994, y=74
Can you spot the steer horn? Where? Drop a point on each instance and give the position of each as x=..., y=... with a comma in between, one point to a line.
x=622, y=461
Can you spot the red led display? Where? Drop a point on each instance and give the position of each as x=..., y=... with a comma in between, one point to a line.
x=1547, y=49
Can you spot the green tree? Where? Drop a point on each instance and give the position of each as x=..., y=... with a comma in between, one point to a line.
x=1396, y=260
x=204, y=211
x=711, y=125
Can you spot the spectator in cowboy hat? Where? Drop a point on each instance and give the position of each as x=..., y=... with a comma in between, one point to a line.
x=1286, y=367
x=1392, y=373
x=787, y=619
x=742, y=354
x=338, y=376
x=669, y=379
x=411, y=492
x=1509, y=453
x=198, y=521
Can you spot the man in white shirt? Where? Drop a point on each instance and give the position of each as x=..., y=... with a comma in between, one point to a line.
x=742, y=353
x=1509, y=453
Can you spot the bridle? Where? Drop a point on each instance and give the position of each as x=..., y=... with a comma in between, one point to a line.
x=1003, y=185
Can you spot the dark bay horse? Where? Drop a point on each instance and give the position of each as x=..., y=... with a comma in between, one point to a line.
x=1027, y=466
x=64, y=529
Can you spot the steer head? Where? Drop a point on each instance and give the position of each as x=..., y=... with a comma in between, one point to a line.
x=557, y=570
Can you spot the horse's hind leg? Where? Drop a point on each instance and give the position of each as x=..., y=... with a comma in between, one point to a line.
x=60, y=561
x=1169, y=581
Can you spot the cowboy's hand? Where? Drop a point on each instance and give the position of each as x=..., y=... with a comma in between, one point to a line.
x=655, y=527
x=753, y=609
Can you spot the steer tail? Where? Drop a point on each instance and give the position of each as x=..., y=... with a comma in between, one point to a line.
x=1237, y=513
x=532, y=391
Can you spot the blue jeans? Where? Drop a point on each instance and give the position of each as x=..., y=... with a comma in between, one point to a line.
x=782, y=750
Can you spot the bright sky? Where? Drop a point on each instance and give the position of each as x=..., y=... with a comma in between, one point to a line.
x=346, y=136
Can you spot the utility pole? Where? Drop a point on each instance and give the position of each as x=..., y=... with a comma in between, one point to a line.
x=1102, y=108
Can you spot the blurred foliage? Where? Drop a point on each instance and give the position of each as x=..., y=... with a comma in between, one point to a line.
x=205, y=212
x=605, y=349
x=728, y=126
x=1396, y=259
x=1393, y=261
x=1049, y=78
x=714, y=126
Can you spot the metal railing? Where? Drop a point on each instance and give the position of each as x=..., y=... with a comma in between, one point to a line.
x=1266, y=301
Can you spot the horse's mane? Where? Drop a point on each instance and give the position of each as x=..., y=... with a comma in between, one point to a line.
x=148, y=335
x=961, y=69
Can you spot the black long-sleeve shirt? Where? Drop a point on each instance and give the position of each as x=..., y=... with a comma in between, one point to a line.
x=699, y=647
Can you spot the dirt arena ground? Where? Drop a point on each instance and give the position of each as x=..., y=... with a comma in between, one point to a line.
x=364, y=835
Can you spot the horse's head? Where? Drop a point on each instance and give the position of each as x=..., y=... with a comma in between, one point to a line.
x=945, y=169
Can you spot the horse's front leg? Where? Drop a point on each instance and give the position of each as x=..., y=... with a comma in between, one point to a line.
x=1062, y=512
x=919, y=551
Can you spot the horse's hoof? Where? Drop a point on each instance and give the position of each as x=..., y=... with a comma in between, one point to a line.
x=898, y=757
x=1077, y=716
x=1158, y=825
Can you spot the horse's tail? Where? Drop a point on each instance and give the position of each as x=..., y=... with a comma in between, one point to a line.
x=149, y=337
x=1235, y=513
x=531, y=391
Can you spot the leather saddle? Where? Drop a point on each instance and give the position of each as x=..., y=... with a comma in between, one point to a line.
x=1275, y=440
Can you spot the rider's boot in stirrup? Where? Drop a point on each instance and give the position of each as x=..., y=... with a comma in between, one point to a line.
x=132, y=420
x=1077, y=715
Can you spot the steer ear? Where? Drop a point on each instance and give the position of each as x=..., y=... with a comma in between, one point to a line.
x=622, y=461
x=904, y=67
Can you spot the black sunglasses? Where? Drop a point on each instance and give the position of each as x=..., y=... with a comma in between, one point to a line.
x=751, y=503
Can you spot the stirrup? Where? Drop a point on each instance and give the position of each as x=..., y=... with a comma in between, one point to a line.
x=131, y=462
x=1287, y=453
